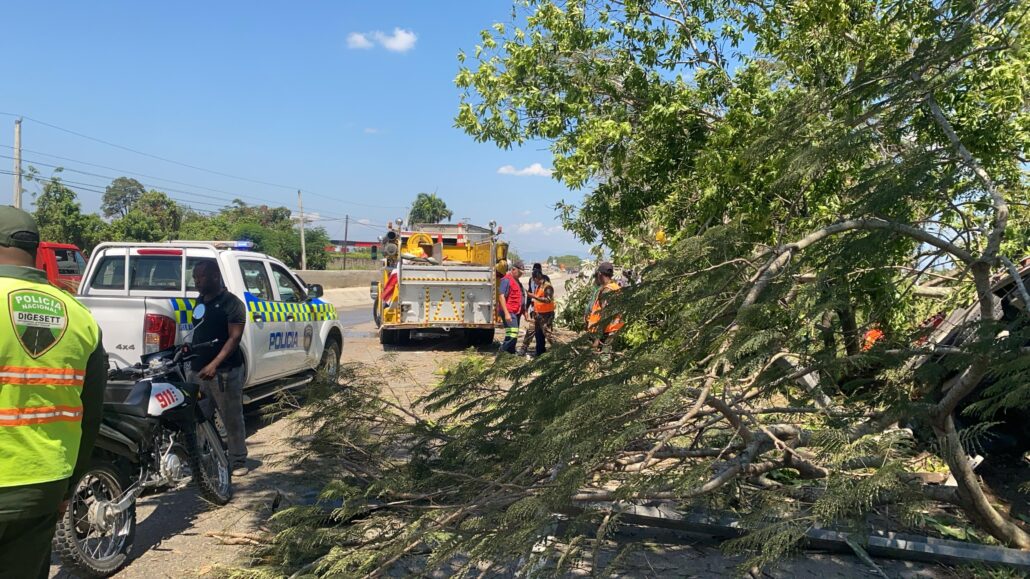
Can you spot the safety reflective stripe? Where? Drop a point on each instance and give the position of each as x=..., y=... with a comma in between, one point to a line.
x=45, y=376
x=39, y=415
x=511, y=332
x=183, y=309
x=315, y=311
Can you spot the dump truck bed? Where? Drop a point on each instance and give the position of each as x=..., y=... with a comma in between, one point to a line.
x=445, y=297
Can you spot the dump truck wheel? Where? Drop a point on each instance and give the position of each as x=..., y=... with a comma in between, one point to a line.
x=479, y=337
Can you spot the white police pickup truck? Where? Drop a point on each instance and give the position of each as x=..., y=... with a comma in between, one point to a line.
x=142, y=296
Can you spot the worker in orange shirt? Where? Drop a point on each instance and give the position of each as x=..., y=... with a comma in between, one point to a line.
x=603, y=277
x=542, y=298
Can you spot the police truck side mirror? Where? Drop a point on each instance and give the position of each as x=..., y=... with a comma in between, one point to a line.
x=315, y=291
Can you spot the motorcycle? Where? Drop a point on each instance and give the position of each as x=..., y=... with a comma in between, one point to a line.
x=158, y=436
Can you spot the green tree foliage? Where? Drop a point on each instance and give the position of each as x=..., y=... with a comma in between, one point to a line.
x=120, y=197
x=428, y=208
x=568, y=261
x=59, y=215
x=152, y=216
x=817, y=170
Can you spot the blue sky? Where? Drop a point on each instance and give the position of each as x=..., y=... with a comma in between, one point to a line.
x=353, y=102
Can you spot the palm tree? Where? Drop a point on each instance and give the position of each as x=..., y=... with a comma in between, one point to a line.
x=428, y=208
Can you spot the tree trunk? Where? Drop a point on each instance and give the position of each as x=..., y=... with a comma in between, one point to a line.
x=970, y=494
x=849, y=328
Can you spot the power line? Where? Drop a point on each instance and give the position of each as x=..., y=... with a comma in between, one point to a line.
x=166, y=189
x=90, y=187
x=145, y=154
x=127, y=173
x=194, y=167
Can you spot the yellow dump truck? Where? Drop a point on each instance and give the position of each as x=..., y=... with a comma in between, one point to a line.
x=438, y=278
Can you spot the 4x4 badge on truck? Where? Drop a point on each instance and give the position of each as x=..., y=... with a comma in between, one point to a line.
x=39, y=319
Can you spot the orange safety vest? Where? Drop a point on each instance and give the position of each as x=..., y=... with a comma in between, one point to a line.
x=542, y=307
x=595, y=311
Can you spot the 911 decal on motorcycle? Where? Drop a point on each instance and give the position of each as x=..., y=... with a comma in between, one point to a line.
x=163, y=397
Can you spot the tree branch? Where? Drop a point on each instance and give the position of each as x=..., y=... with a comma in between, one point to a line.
x=1001, y=209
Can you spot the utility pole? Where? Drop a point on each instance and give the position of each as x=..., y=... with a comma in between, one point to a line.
x=17, y=163
x=346, y=247
x=303, y=248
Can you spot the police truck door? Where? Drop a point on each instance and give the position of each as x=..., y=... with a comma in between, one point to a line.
x=292, y=302
x=264, y=361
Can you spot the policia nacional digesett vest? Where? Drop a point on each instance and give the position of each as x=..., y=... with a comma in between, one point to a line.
x=47, y=338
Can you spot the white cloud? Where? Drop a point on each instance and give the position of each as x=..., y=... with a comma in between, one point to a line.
x=359, y=41
x=365, y=221
x=400, y=41
x=371, y=131
x=527, y=212
x=534, y=170
x=529, y=227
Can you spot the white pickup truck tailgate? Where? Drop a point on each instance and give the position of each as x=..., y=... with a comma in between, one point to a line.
x=122, y=321
x=446, y=296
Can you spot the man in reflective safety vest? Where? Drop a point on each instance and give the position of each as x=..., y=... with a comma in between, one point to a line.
x=510, y=306
x=603, y=276
x=542, y=328
x=53, y=371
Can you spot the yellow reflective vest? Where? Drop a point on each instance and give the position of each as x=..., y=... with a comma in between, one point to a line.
x=47, y=339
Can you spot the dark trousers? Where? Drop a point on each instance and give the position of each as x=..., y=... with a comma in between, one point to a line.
x=541, y=328
x=544, y=330
x=530, y=333
x=511, y=335
x=226, y=389
x=25, y=547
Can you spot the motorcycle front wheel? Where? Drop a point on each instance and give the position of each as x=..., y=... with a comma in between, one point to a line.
x=89, y=539
x=209, y=463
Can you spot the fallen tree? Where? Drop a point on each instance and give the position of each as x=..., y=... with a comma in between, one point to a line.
x=809, y=189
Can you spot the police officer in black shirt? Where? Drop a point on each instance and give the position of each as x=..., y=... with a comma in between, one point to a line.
x=219, y=369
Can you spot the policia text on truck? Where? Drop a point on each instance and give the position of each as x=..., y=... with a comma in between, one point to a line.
x=52, y=376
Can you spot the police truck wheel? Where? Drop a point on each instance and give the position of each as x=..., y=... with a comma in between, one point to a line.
x=329, y=367
x=87, y=540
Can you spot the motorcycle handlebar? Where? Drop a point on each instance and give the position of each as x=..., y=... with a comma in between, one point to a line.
x=184, y=351
x=204, y=344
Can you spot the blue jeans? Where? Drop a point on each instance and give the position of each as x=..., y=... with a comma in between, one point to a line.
x=511, y=334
